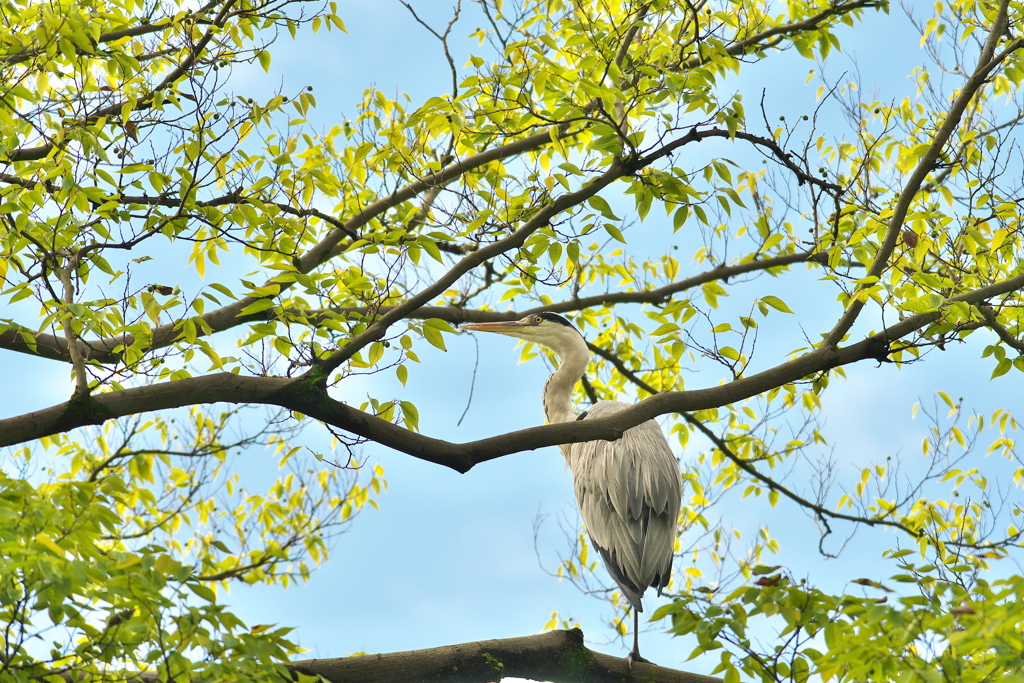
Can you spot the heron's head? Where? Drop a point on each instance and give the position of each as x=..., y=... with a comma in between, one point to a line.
x=548, y=329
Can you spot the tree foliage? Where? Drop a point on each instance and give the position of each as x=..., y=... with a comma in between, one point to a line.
x=579, y=148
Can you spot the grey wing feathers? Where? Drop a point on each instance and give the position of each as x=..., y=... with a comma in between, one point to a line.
x=628, y=492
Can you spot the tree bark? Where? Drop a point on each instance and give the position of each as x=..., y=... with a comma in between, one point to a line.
x=558, y=656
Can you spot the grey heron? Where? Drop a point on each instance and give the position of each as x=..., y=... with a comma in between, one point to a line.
x=628, y=490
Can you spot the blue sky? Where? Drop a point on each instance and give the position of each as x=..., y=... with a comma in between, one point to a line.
x=451, y=558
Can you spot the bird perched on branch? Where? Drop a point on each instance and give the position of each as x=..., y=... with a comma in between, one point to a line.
x=628, y=490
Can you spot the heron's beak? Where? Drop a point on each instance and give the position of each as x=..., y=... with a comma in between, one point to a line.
x=502, y=327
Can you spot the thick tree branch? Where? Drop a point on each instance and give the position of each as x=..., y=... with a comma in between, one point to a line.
x=309, y=396
x=552, y=656
x=51, y=346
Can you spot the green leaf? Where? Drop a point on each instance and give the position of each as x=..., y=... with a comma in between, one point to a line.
x=1002, y=368
x=257, y=306
x=598, y=203
x=679, y=219
x=729, y=352
x=205, y=592
x=431, y=248
x=614, y=232
x=433, y=335
x=411, y=415
x=222, y=289
x=375, y=354
x=776, y=303
x=439, y=324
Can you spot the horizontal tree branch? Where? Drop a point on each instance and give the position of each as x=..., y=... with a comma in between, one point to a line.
x=112, y=36
x=550, y=656
x=101, y=350
x=51, y=346
x=308, y=396
x=657, y=295
x=56, y=348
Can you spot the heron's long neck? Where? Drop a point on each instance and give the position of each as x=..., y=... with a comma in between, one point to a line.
x=557, y=396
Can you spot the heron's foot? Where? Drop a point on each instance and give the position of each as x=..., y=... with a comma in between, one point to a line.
x=634, y=656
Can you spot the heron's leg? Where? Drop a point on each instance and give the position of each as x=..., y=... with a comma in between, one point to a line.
x=634, y=655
